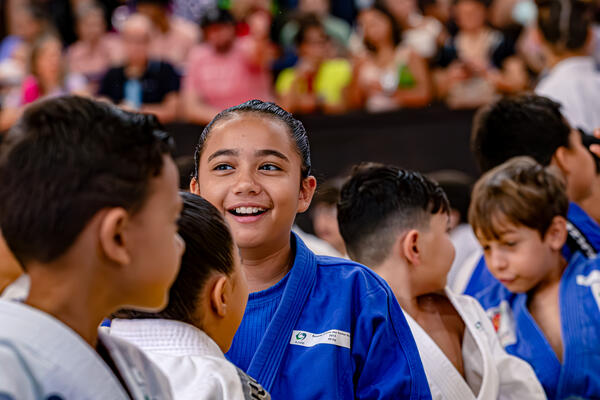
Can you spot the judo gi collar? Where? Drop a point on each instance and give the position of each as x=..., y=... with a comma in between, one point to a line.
x=269, y=354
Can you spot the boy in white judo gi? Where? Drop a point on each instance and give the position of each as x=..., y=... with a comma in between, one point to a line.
x=546, y=308
x=206, y=304
x=396, y=222
x=89, y=207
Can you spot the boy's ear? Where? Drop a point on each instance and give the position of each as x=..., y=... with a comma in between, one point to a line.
x=307, y=191
x=410, y=247
x=556, y=234
x=113, y=238
x=194, y=186
x=219, y=296
x=560, y=159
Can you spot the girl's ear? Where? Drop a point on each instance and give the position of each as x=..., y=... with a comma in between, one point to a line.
x=556, y=234
x=410, y=247
x=194, y=186
x=219, y=296
x=307, y=191
x=113, y=236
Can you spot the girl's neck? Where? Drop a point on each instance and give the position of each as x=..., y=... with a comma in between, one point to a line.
x=264, y=271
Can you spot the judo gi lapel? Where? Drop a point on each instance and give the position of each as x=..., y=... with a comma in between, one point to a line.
x=441, y=373
x=55, y=343
x=270, y=351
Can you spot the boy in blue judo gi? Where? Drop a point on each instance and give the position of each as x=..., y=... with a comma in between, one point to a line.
x=547, y=308
x=530, y=125
x=89, y=207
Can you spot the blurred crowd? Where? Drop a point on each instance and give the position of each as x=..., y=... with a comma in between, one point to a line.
x=186, y=60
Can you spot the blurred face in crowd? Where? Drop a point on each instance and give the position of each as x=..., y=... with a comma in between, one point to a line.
x=136, y=39
x=91, y=26
x=470, y=15
x=319, y=7
x=376, y=26
x=401, y=9
x=250, y=170
x=25, y=25
x=48, y=63
x=315, y=45
x=153, y=11
x=220, y=35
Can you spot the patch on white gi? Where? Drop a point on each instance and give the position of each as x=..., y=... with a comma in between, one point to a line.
x=333, y=336
x=504, y=322
x=593, y=282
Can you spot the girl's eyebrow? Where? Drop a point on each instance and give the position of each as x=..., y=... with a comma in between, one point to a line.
x=270, y=152
x=224, y=152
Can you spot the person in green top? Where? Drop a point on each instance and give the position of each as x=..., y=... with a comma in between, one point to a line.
x=316, y=82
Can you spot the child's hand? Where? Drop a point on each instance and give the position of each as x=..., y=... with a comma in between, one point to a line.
x=595, y=148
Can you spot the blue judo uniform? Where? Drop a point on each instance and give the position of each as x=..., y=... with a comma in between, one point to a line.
x=583, y=237
x=337, y=333
x=579, y=374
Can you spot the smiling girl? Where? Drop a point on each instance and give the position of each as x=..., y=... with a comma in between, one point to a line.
x=314, y=327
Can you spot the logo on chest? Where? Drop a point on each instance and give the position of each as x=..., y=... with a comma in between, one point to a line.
x=333, y=336
x=504, y=323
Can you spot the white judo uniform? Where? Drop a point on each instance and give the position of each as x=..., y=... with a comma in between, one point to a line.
x=490, y=372
x=193, y=362
x=41, y=358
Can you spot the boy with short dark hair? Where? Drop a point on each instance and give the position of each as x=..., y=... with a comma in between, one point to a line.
x=547, y=310
x=89, y=207
x=530, y=125
x=396, y=222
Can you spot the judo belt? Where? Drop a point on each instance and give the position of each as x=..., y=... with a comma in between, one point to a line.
x=576, y=241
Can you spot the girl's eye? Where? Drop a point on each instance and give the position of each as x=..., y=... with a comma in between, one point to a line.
x=270, y=167
x=222, y=167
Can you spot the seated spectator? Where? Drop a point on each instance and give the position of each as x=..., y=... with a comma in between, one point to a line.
x=225, y=70
x=96, y=50
x=317, y=82
x=336, y=28
x=545, y=307
x=48, y=77
x=173, y=38
x=388, y=75
x=573, y=78
x=28, y=22
x=142, y=83
x=420, y=33
x=396, y=222
x=206, y=305
x=478, y=62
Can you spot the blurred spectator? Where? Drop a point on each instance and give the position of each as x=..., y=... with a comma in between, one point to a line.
x=573, y=78
x=225, y=70
x=324, y=215
x=457, y=186
x=336, y=28
x=441, y=10
x=96, y=50
x=420, y=33
x=389, y=75
x=48, y=77
x=27, y=23
x=142, y=83
x=173, y=38
x=317, y=82
x=479, y=61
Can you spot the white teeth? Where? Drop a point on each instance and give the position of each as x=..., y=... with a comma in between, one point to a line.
x=248, y=210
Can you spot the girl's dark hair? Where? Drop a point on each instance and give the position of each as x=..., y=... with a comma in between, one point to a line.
x=208, y=250
x=396, y=30
x=565, y=22
x=296, y=129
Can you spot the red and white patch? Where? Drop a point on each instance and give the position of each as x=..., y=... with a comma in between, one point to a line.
x=504, y=323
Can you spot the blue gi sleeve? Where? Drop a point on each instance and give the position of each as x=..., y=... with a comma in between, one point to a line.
x=386, y=359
